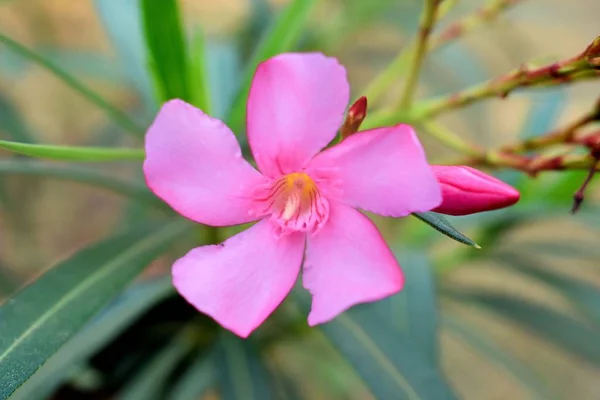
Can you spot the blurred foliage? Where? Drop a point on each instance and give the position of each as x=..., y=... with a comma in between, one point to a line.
x=521, y=315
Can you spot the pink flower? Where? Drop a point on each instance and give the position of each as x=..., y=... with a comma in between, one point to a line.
x=300, y=197
x=466, y=190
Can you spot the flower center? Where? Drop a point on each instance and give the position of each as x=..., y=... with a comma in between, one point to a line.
x=295, y=203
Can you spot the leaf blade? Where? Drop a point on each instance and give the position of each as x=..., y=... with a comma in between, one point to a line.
x=43, y=316
x=240, y=371
x=166, y=49
x=387, y=359
x=441, y=224
x=133, y=189
x=114, y=113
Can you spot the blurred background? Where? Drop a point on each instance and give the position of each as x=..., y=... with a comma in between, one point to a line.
x=518, y=319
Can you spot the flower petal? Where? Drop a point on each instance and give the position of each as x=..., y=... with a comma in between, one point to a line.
x=194, y=163
x=296, y=104
x=240, y=282
x=382, y=170
x=348, y=263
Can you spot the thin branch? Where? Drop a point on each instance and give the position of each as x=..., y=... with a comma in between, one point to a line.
x=426, y=24
x=581, y=67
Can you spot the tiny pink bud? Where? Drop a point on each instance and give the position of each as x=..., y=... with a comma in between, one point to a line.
x=466, y=190
x=356, y=115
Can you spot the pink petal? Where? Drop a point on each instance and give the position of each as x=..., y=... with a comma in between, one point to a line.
x=466, y=191
x=240, y=282
x=194, y=163
x=296, y=104
x=383, y=170
x=348, y=263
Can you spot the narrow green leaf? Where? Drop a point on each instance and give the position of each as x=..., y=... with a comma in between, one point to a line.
x=282, y=37
x=241, y=372
x=556, y=327
x=47, y=313
x=150, y=382
x=494, y=353
x=441, y=224
x=406, y=310
x=136, y=190
x=123, y=24
x=115, y=319
x=112, y=112
x=166, y=47
x=73, y=153
x=389, y=361
x=196, y=380
x=582, y=294
x=199, y=73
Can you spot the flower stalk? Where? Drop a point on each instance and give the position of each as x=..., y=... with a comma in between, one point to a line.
x=428, y=19
x=581, y=67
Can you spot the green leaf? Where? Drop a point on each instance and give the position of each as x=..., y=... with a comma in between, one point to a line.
x=518, y=370
x=122, y=22
x=389, y=361
x=113, y=321
x=135, y=190
x=583, y=295
x=196, y=380
x=282, y=37
x=441, y=224
x=150, y=382
x=47, y=313
x=166, y=49
x=73, y=153
x=414, y=309
x=111, y=111
x=241, y=372
x=199, y=73
x=556, y=327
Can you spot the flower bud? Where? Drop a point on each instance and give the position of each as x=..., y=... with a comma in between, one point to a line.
x=466, y=190
x=356, y=115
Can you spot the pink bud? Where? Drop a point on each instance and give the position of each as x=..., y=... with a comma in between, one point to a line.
x=466, y=190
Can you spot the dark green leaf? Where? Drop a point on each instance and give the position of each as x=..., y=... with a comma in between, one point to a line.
x=196, y=380
x=556, y=327
x=441, y=224
x=520, y=371
x=73, y=153
x=242, y=374
x=282, y=37
x=150, y=382
x=199, y=73
x=166, y=46
x=47, y=313
x=110, y=323
x=414, y=309
x=114, y=113
x=89, y=176
x=389, y=361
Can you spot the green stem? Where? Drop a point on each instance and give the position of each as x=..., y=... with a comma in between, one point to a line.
x=451, y=139
x=73, y=153
x=427, y=21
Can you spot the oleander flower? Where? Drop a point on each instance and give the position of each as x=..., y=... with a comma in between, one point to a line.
x=303, y=198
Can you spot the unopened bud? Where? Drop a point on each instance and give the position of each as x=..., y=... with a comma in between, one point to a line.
x=356, y=115
x=466, y=190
